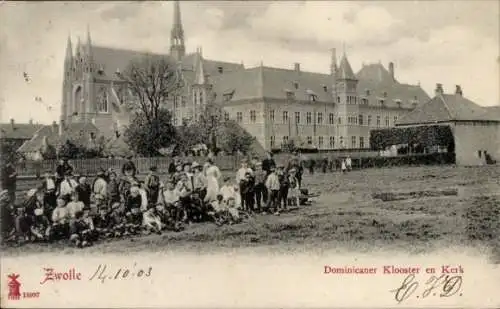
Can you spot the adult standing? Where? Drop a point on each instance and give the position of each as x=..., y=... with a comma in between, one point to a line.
x=9, y=180
x=212, y=174
x=268, y=163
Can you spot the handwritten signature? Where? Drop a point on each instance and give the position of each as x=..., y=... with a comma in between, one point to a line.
x=442, y=286
x=103, y=273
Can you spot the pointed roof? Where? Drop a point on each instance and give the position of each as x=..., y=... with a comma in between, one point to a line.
x=200, y=78
x=177, y=30
x=89, y=42
x=345, y=70
x=375, y=72
x=445, y=108
x=69, y=49
x=78, y=50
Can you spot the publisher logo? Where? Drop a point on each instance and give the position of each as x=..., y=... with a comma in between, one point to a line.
x=14, y=287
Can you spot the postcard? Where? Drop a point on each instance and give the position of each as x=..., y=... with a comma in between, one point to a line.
x=250, y=154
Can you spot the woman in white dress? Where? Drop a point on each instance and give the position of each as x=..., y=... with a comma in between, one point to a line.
x=212, y=174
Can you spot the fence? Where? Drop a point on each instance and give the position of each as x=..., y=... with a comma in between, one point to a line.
x=92, y=166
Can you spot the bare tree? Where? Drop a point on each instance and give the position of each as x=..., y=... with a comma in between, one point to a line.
x=152, y=80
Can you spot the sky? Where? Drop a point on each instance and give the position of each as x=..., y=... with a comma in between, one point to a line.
x=448, y=42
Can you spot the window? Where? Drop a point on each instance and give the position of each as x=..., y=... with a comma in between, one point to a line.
x=386, y=121
x=320, y=118
x=364, y=101
x=309, y=140
x=285, y=117
x=273, y=141
x=361, y=142
x=382, y=102
x=285, y=140
x=369, y=120
x=290, y=95
x=296, y=85
x=253, y=116
x=320, y=142
x=226, y=116
x=308, y=118
x=353, y=141
x=325, y=88
x=341, y=142
x=200, y=97
x=338, y=99
x=360, y=120
x=313, y=98
x=330, y=118
x=183, y=101
x=378, y=121
x=239, y=117
x=297, y=117
x=195, y=97
x=102, y=101
x=395, y=119
x=271, y=115
x=339, y=120
x=220, y=70
x=332, y=142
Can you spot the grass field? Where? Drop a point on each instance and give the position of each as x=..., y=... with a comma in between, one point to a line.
x=405, y=208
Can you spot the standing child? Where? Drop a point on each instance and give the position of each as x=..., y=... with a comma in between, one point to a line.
x=273, y=188
x=247, y=194
x=152, y=185
x=343, y=166
x=241, y=180
x=102, y=223
x=294, y=189
x=283, y=191
x=49, y=189
x=113, y=189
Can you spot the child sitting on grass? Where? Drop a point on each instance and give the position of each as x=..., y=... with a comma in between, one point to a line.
x=40, y=229
x=151, y=221
x=81, y=235
x=102, y=223
x=60, y=220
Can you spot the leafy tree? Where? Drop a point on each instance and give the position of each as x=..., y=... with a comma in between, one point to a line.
x=154, y=81
x=147, y=138
x=231, y=138
x=8, y=151
x=69, y=150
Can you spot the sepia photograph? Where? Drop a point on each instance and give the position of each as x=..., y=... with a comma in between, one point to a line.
x=254, y=153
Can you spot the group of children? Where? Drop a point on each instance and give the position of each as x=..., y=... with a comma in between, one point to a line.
x=66, y=206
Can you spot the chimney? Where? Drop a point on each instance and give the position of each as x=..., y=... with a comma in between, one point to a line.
x=31, y=121
x=12, y=123
x=439, y=89
x=391, y=70
x=297, y=66
x=54, y=127
x=458, y=90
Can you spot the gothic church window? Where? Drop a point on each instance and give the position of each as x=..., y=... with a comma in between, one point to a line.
x=102, y=101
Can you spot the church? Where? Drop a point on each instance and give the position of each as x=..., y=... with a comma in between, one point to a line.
x=276, y=105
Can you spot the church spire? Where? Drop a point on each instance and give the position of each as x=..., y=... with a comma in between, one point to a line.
x=177, y=48
x=89, y=42
x=69, y=51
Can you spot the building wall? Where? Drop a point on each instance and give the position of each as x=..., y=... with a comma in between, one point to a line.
x=254, y=125
x=470, y=137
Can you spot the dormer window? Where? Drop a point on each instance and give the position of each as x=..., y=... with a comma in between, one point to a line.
x=100, y=71
x=398, y=102
x=220, y=70
x=313, y=98
x=296, y=85
x=364, y=101
x=228, y=95
x=382, y=102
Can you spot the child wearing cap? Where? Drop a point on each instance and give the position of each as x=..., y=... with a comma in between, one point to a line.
x=84, y=191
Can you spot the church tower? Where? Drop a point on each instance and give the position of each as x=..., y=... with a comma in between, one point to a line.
x=200, y=87
x=347, y=102
x=177, y=48
x=66, y=102
x=87, y=106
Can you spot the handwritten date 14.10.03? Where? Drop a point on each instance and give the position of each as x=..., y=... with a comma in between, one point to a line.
x=103, y=273
x=442, y=286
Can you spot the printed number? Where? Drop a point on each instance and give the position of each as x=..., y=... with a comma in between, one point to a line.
x=31, y=294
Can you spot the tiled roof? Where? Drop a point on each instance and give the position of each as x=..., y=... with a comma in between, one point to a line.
x=18, y=130
x=111, y=59
x=77, y=132
x=447, y=107
x=273, y=83
x=375, y=72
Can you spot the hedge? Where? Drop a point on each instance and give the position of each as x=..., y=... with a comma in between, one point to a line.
x=425, y=136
